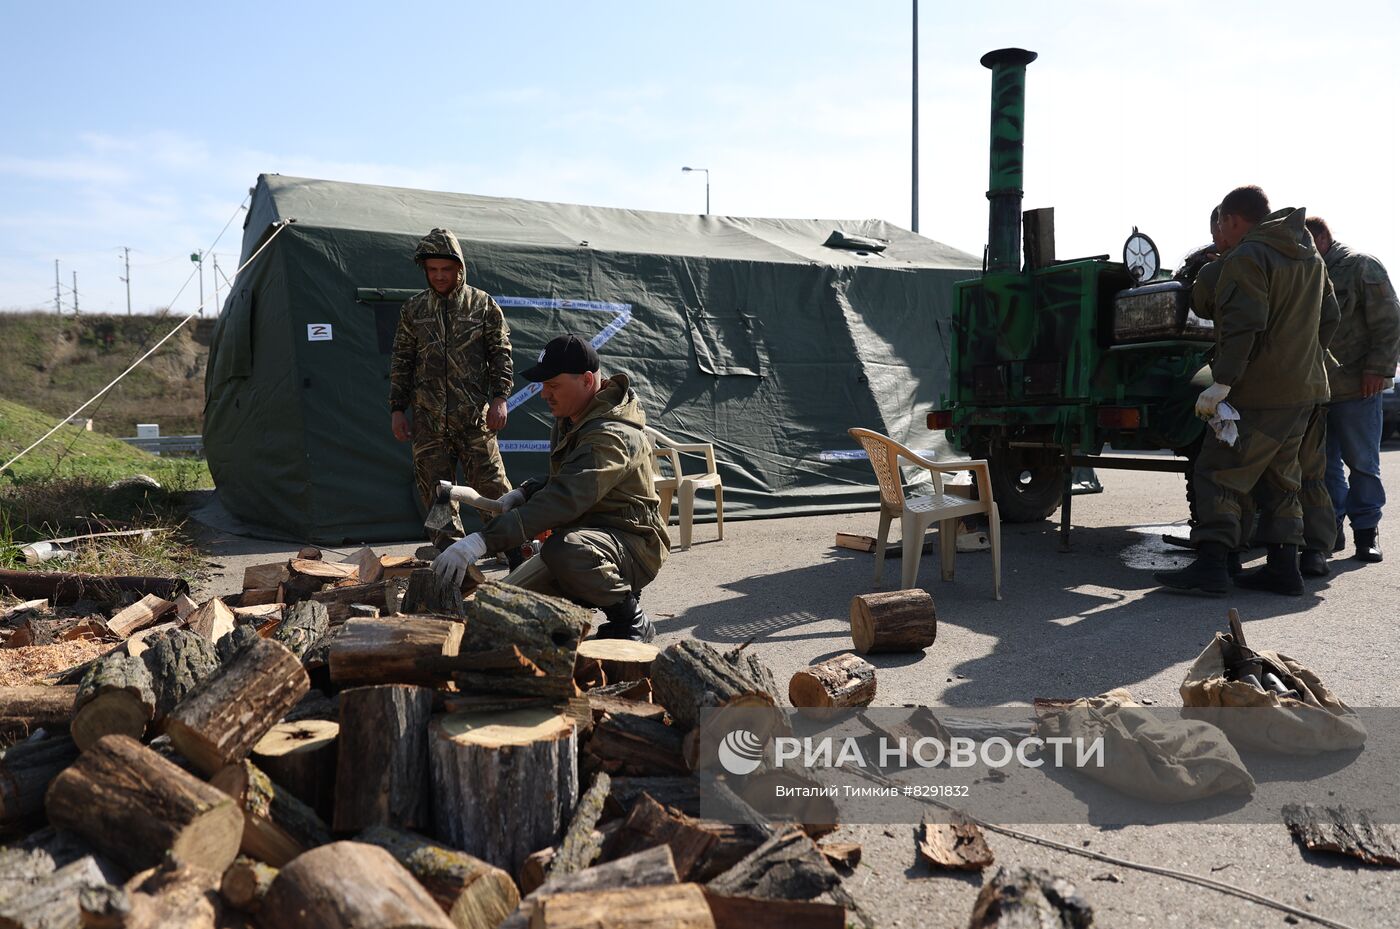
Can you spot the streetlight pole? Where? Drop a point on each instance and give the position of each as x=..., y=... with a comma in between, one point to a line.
x=914, y=176
x=197, y=257
x=707, y=185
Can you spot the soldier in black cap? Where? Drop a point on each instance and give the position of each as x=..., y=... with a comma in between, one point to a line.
x=608, y=538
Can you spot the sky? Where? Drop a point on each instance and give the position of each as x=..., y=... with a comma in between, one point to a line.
x=144, y=125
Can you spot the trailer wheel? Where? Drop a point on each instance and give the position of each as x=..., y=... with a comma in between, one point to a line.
x=1025, y=491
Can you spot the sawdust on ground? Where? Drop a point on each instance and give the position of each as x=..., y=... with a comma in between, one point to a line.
x=38, y=664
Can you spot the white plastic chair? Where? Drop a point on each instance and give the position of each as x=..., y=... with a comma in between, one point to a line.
x=917, y=514
x=687, y=484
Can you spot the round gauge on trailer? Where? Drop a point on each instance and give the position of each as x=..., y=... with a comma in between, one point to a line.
x=1141, y=257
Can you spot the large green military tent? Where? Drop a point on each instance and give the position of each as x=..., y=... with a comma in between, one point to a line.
x=768, y=337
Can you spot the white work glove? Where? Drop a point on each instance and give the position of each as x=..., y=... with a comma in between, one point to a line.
x=1210, y=398
x=512, y=500
x=451, y=566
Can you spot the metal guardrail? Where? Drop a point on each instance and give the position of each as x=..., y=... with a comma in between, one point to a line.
x=167, y=443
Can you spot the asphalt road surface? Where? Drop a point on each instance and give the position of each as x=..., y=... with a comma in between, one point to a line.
x=1070, y=624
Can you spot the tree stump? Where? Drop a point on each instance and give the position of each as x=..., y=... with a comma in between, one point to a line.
x=846, y=680
x=620, y=660
x=473, y=894
x=115, y=696
x=26, y=770
x=396, y=650
x=136, y=807
x=301, y=757
x=893, y=621
x=179, y=660
x=504, y=784
x=349, y=885
x=690, y=677
x=221, y=722
x=276, y=825
x=382, y=771
x=302, y=627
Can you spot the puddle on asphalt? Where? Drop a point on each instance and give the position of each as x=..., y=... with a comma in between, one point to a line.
x=1153, y=554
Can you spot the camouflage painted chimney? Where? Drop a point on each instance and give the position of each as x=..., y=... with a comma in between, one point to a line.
x=1008, y=124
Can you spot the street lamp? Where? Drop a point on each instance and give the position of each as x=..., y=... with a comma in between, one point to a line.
x=707, y=186
x=197, y=257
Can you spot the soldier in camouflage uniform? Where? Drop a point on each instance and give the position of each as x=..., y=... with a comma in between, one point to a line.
x=608, y=538
x=1272, y=317
x=451, y=369
x=1365, y=349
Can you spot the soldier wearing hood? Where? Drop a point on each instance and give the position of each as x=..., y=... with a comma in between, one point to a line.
x=449, y=379
x=1274, y=313
x=608, y=538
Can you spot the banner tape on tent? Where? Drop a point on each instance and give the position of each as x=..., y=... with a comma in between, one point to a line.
x=623, y=316
x=858, y=454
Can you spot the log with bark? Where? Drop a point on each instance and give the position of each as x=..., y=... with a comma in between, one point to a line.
x=601, y=705
x=428, y=594
x=324, y=572
x=844, y=681
x=680, y=906
x=503, y=784
x=582, y=843
x=651, y=868
x=748, y=912
x=546, y=632
x=135, y=806
x=26, y=770
x=175, y=895
x=620, y=659
x=144, y=612
x=681, y=794
x=1340, y=830
x=701, y=848
x=213, y=620
x=893, y=621
x=245, y=884
x=473, y=894
x=396, y=650
x=382, y=769
x=115, y=696
x=690, y=677
x=1029, y=898
x=262, y=576
x=221, y=721
x=259, y=596
x=957, y=845
x=179, y=661
x=61, y=587
x=35, y=706
x=300, y=756
x=229, y=647
x=368, y=568
x=276, y=825
x=636, y=745
x=50, y=901
x=105, y=906
x=383, y=594
x=349, y=885
x=625, y=690
x=302, y=627
x=787, y=866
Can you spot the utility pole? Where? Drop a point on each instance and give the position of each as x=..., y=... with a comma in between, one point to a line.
x=75, y=293
x=126, y=260
x=216, y=285
x=57, y=290
x=914, y=183
x=197, y=257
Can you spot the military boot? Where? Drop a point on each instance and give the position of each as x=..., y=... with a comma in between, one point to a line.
x=1280, y=574
x=514, y=557
x=1341, y=542
x=1368, y=545
x=1313, y=563
x=1234, y=563
x=1206, y=575
x=626, y=620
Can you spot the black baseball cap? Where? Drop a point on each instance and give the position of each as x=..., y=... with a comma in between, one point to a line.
x=565, y=354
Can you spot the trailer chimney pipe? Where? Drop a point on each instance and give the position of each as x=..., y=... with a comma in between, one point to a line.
x=1008, y=66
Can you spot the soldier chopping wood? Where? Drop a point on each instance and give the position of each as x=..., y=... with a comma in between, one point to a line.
x=451, y=370
x=608, y=539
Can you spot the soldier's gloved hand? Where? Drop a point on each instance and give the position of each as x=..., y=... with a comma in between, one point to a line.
x=451, y=566
x=1210, y=399
x=512, y=500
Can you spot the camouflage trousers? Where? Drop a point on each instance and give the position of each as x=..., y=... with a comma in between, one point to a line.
x=436, y=457
x=593, y=566
x=1262, y=464
x=1319, y=519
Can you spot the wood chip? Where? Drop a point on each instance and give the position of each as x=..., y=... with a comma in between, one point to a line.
x=955, y=846
x=1343, y=831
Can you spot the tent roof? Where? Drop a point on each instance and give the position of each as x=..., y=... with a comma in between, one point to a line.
x=366, y=207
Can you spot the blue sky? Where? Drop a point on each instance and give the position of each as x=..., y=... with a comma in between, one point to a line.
x=145, y=124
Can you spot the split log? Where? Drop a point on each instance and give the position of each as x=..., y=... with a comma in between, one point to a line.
x=788, y=866
x=681, y=794
x=220, y=722
x=426, y=593
x=625, y=690
x=184, y=607
x=382, y=594
x=582, y=844
x=504, y=784
x=36, y=629
x=213, y=620
x=408, y=650
x=266, y=575
x=620, y=659
x=844, y=681
x=473, y=894
x=144, y=612
x=349, y=885
x=245, y=883
x=265, y=616
x=957, y=845
x=701, y=848
x=61, y=587
x=302, y=627
x=545, y=630
x=181, y=895
x=179, y=660
x=300, y=756
x=26, y=770
x=323, y=571
x=9, y=613
x=1342, y=831
x=38, y=706
x=229, y=647
x=262, y=596
x=747, y=912
x=790, y=794
x=399, y=567
x=315, y=705
x=841, y=854
x=368, y=568
x=103, y=907
x=651, y=868
x=637, y=745
x=135, y=806
x=115, y=696
x=139, y=642
x=1028, y=898
x=681, y=906
x=893, y=621
x=601, y=705
x=52, y=900
x=276, y=825
x=588, y=673
x=382, y=772
x=690, y=676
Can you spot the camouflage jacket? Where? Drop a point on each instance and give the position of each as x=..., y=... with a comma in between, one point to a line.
x=451, y=358
x=1368, y=339
x=1275, y=314
x=600, y=477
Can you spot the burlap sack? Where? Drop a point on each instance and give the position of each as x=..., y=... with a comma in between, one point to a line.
x=1255, y=719
x=1145, y=756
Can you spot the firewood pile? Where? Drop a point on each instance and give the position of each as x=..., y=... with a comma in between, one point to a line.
x=351, y=745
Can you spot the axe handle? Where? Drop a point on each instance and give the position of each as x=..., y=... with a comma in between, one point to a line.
x=471, y=498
